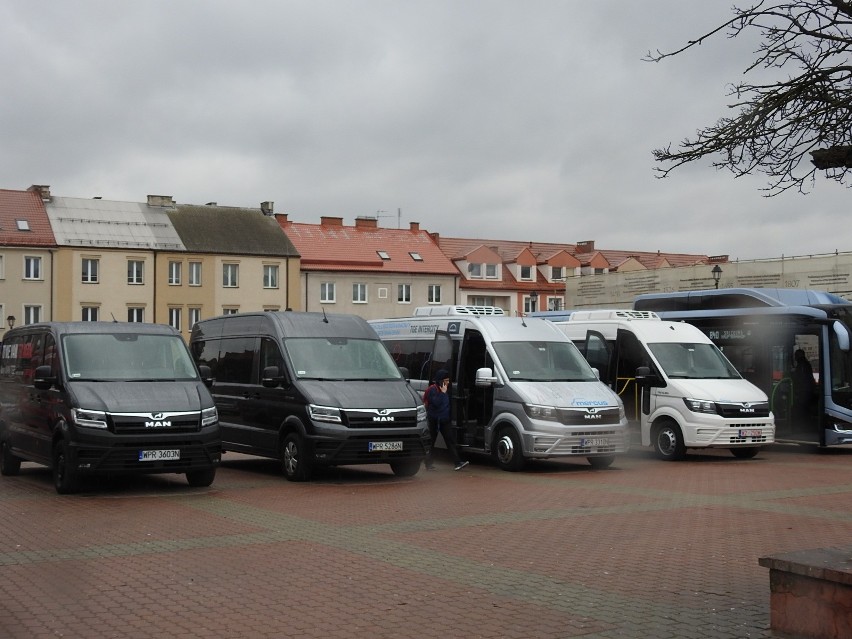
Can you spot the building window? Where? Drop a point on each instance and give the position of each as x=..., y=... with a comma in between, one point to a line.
x=359, y=293
x=415, y=256
x=90, y=270
x=194, y=316
x=526, y=273
x=135, y=314
x=557, y=273
x=32, y=267
x=383, y=254
x=474, y=270
x=230, y=310
x=491, y=271
x=530, y=304
x=23, y=225
x=403, y=293
x=481, y=301
x=230, y=275
x=195, y=273
x=327, y=292
x=174, y=318
x=174, y=273
x=434, y=294
x=2, y=272
x=135, y=271
x=554, y=304
x=270, y=276
x=32, y=314
x=90, y=314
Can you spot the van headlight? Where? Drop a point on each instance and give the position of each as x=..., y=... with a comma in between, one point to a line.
x=209, y=416
x=89, y=418
x=324, y=414
x=701, y=405
x=421, y=414
x=546, y=413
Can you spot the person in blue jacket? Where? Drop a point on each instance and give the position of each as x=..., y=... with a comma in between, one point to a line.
x=437, y=400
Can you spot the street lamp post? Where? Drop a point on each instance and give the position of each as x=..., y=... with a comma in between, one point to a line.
x=533, y=301
x=10, y=321
x=717, y=274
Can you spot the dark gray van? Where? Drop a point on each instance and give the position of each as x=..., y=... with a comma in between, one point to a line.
x=308, y=389
x=105, y=398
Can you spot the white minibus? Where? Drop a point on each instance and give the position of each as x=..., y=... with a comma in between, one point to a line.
x=520, y=389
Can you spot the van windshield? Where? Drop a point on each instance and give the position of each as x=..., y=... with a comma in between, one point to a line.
x=340, y=358
x=123, y=357
x=693, y=361
x=544, y=362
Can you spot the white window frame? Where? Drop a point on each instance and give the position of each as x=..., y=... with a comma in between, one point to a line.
x=135, y=272
x=32, y=313
x=174, y=272
x=230, y=310
x=529, y=270
x=359, y=293
x=230, y=275
x=32, y=267
x=474, y=271
x=136, y=314
x=89, y=269
x=557, y=273
x=403, y=293
x=194, y=274
x=89, y=313
x=175, y=317
x=434, y=294
x=491, y=271
x=555, y=303
x=328, y=292
x=270, y=276
x=2, y=269
x=193, y=315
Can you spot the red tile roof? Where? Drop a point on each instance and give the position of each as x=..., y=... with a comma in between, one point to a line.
x=26, y=206
x=334, y=247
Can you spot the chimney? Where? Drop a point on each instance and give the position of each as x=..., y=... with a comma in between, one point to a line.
x=414, y=226
x=267, y=208
x=281, y=217
x=718, y=259
x=327, y=220
x=160, y=200
x=43, y=190
x=366, y=223
x=587, y=246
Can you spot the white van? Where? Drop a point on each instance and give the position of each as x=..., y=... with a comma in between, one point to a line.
x=675, y=382
x=519, y=388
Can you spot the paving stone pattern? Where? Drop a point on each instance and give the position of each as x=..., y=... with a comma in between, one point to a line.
x=643, y=549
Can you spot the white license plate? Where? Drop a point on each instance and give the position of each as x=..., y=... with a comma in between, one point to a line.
x=384, y=446
x=751, y=433
x=158, y=455
x=594, y=442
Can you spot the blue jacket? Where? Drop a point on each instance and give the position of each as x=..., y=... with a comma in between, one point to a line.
x=437, y=404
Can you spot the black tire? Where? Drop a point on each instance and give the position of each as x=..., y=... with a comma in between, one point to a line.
x=201, y=478
x=668, y=442
x=745, y=453
x=604, y=461
x=405, y=468
x=9, y=464
x=65, y=478
x=508, y=452
x=296, y=461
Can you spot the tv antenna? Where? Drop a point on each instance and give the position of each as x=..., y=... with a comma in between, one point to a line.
x=398, y=216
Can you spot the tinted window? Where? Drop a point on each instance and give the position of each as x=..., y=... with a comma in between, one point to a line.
x=236, y=358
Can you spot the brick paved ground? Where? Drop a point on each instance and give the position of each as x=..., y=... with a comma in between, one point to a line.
x=644, y=549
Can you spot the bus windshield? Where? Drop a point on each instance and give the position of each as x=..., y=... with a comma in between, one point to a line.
x=340, y=358
x=693, y=361
x=544, y=362
x=124, y=357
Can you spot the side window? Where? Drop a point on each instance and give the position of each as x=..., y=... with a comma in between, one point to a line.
x=207, y=353
x=597, y=355
x=236, y=356
x=270, y=355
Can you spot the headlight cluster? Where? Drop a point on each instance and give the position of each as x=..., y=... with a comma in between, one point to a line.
x=701, y=405
x=324, y=414
x=89, y=418
x=547, y=413
x=209, y=416
x=421, y=414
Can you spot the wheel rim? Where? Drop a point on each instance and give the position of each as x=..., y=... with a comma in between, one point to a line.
x=291, y=457
x=60, y=469
x=667, y=441
x=505, y=449
x=4, y=450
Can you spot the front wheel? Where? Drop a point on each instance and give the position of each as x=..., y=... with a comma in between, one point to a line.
x=601, y=462
x=9, y=463
x=508, y=451
x=201, y=478
x=745, y=453
x=295, y=458
x=407, y=468
x=65, y=478
x=668, y=442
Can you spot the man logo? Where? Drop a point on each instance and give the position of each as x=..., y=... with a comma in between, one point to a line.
x=157, y=421
x=383, y=415
x=592, y=413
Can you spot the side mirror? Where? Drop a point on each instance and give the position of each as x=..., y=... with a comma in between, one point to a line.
x=596, y=372
x=403, y=370
x=206, y=375
x=645, y=377
x=271, y=377
x=485, y=377
x=43, y=378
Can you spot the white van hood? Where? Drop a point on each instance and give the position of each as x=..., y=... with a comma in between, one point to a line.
x=566, y=394
x=717, y=390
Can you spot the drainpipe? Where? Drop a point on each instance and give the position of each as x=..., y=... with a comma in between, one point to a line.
x=306, y=291
x=154, y=300
x=52, y=283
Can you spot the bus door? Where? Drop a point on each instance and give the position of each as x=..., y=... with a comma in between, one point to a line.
x=805, y=367
x=628, y=355
x=475, y=404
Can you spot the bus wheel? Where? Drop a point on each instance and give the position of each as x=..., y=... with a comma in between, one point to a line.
x=601, y=462
x=294, y=458
x=668, y=442
x=65, y=478
x=9, y=464
x=201, y=478
x=405, y=468
x=745, y=453
x=508, y=450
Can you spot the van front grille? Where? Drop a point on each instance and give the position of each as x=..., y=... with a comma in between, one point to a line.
x=381, y=418
x=149, y=423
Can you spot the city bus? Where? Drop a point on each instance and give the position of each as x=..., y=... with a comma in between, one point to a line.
x=760, y=332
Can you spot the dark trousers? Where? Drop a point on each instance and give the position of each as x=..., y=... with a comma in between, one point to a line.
x=449, y=433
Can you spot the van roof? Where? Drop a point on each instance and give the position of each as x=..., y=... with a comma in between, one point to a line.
x=285, y=324
x=97, y=327
x=500, y=328
x=646, y=329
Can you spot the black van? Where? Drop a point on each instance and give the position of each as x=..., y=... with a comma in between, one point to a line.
x=308, y=389
x=105, y=398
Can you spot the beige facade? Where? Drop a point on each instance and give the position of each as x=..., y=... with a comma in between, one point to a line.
x=26, y=276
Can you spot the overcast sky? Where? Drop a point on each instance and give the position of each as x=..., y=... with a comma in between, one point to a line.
x=503, y=119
